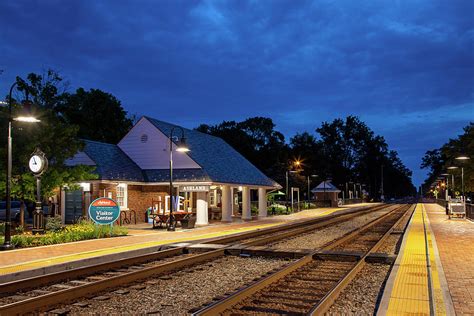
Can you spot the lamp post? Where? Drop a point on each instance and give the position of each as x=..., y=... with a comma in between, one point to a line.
x=181, y=147
x=462, y=158
x=7, y=245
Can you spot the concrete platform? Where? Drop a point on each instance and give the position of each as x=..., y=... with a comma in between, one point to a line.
x=142, y=239
x=417, y=284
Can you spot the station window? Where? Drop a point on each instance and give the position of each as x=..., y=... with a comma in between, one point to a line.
x=122, y=195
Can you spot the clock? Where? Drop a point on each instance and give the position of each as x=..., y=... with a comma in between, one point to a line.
x=38, y=162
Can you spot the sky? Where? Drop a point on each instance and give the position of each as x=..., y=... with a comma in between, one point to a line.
x=406, y=68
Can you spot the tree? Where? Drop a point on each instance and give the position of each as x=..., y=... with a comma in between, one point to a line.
x=438, y=160
x=99, y=115
x=257, y=140
x=52, y=135
x=353, y=153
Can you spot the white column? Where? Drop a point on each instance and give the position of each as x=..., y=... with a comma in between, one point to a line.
x=246, y=214
x=262, y=202
x=202, y=217
x=226, y=200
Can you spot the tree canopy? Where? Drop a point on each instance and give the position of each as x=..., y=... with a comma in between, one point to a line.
x=99, y=115
x=55, y=137
x=438, y=161
x=344, y=150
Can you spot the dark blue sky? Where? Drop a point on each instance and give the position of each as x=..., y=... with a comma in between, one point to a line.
x=404, y=67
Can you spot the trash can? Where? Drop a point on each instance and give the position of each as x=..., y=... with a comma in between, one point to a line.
x=187, y=223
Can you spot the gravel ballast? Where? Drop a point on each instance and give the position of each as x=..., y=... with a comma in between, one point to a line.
x=319, y=238
x=177, y=293
x=360, y=296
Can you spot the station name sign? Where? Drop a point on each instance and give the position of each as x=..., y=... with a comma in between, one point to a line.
x=194, y=188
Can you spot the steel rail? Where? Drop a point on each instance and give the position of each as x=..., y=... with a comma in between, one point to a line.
x=291, y=229
x=300, y=223
x=246, y=292
x=328, y=300
x=67, y=295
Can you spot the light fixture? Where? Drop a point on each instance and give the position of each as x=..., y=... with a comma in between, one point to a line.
x=182, y=146
x=27, y=119
x=452, y=167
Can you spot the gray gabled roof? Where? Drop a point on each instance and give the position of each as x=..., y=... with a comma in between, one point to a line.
x=325, y=186
x=112, y=163
x=219, y=161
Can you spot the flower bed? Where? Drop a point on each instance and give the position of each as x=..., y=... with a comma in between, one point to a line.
x=70, y=233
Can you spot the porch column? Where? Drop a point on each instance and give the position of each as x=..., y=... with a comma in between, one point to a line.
x=246, y=213
x=202, y=217
x=262, y=202
x=226, y=203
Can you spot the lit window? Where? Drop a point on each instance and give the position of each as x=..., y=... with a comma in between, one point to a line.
x=122, y=195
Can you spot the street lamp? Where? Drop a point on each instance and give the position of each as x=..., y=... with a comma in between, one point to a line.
x=462, y=158
x=181, y=147
x=7, y=245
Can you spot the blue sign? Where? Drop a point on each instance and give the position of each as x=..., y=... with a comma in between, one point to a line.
x=104, y=211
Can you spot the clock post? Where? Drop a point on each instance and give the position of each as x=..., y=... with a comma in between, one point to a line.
x=38, y=164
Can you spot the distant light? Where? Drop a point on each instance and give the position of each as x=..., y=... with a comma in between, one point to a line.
x=240, y=188
x=445, y=174
x=27, y=119
x=452, y=167
x=183, y=149
x=463, y=158
x=3, y=102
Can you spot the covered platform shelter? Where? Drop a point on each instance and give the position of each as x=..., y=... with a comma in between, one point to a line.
x=326, y=192
x=213, y=180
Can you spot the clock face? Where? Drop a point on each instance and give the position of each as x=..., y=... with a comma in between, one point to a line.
x=36, y=164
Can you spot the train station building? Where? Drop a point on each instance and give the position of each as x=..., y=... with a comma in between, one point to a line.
x=213, y=179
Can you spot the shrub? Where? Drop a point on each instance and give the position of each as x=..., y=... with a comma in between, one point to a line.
x=81, y=231
x=54, y=224
x=20, y=229
x=2, y=228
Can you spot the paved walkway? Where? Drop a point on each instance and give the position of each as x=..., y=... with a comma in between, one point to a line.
x=455, y=241
x=140, y=237
x=416, y=285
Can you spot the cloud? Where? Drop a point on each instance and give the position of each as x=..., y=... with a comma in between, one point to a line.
x=402, y=66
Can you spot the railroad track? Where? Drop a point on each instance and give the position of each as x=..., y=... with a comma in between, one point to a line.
x=311, y=284
x=37, y=293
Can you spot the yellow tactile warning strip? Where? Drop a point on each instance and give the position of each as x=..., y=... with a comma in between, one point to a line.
x=414, y=284
x=107, y=251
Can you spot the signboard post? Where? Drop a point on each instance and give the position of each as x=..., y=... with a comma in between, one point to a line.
x=104, y=211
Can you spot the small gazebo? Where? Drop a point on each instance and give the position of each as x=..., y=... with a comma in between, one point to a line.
x=326, y=191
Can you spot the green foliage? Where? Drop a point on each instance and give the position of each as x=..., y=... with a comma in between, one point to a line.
x=19, y=230
x=82, y=231
x=57, y=138
x=438, y=160
x=99, y=115
x=54, y=224
x=345, y=150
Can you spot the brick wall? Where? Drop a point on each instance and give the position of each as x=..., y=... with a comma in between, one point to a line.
x=140, y=198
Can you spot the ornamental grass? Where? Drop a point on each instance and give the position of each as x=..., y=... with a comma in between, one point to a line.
x=81, y=231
